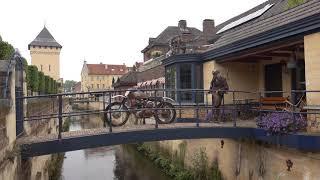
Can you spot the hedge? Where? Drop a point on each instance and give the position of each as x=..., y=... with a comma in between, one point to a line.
x=33, y=78
x=38, y=82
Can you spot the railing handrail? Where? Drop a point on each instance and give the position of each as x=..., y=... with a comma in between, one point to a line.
x=166, y=90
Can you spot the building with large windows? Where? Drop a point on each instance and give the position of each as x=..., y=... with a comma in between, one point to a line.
x=96, y=77
x=45, y=54
x=272, y=47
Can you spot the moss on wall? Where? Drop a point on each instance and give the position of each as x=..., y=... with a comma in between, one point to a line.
x=294, y=3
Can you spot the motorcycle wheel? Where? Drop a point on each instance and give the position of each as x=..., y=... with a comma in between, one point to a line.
x=117, y=118
x=169, y=114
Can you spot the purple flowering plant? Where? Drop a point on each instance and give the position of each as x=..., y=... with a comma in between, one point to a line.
x=280, y=123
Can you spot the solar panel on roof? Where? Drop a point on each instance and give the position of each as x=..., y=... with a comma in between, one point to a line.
x=246, y=18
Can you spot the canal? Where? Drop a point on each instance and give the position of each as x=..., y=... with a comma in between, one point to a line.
x=107, y=163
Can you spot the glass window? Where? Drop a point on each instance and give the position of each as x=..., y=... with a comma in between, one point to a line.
x=171, y=81
x=98, y=86
x=186, y=81
x=92, y=86
x=49, y=68
x=199, y=82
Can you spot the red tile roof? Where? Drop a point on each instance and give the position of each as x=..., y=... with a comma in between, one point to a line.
x=106, y=69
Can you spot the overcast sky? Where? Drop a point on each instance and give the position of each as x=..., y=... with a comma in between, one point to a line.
x=107, y=31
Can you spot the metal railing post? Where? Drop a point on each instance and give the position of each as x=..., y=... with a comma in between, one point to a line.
x=294, y=107
x=104, y=106
x=155, y=92
x=197, y=109
x=60, y=116
x=207, y=102
x=179, y=103
x=110, y=117
x=234, y=110
x=260, y=107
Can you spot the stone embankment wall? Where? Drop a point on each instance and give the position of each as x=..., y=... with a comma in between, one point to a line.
x=8, y=150
x=12, y=167
x=38, y=167
x=243, y=160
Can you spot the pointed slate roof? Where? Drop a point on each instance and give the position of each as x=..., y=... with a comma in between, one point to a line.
x=45, y=38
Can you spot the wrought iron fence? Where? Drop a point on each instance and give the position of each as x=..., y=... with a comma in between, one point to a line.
x=236, y=106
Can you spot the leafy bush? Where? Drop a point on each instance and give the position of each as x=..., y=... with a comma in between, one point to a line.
x=46, y=84
x=33, y=78
x=6, y=50
x=200, y=164
x=41, y=82
x=282, y=123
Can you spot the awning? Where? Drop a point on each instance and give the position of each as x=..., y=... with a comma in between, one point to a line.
x=154, y=82
x=162, y=80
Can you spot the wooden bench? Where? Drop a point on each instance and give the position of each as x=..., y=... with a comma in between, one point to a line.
x=275, y=103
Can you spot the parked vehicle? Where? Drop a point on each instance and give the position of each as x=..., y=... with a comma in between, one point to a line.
x=142, y=106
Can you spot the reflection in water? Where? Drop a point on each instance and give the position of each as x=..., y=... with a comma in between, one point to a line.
x=107, y=163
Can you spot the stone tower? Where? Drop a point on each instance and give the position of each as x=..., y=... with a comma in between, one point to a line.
x=45, y=54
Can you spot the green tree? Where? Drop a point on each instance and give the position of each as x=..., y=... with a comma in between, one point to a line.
x=6, y=50
x=46, y=84
x=68, y=84
x=25, y=63
x=41, y=85
x=33, y=78
x=294, y=3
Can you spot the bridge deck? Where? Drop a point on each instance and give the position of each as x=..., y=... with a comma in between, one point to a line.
x=126, y=128
x=91, y=138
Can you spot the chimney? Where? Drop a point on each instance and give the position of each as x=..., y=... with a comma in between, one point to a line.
x=182, y=24
x=208, y=27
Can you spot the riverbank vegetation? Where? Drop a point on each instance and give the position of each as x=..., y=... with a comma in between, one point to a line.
x=174, y=166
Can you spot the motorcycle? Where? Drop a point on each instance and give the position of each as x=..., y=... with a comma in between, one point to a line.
x=142, y=106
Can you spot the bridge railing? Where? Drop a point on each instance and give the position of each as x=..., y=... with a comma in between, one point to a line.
x=194, y=107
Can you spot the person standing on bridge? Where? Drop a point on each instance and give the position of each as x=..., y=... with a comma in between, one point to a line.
x=218, y=87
